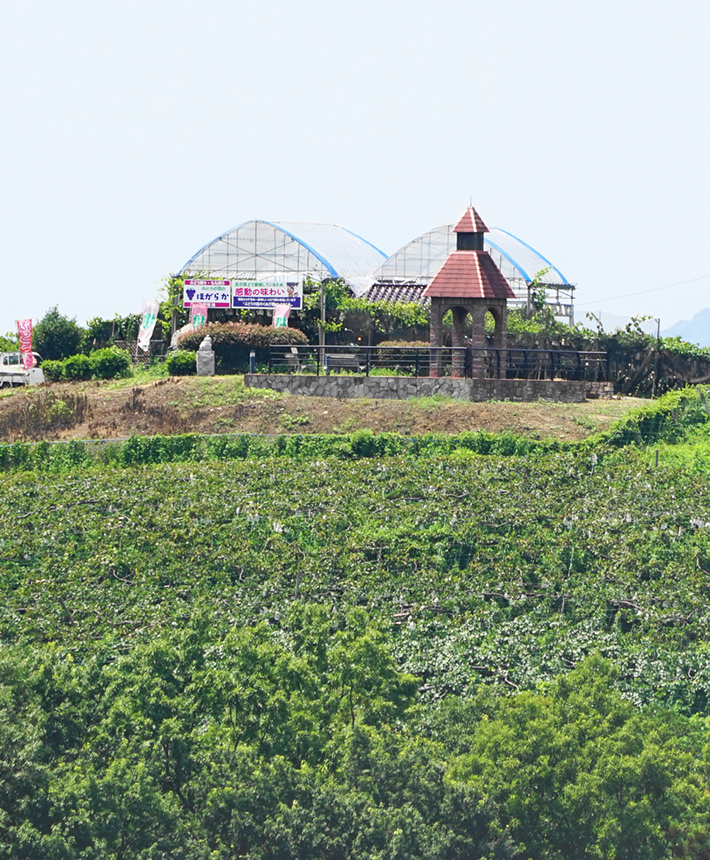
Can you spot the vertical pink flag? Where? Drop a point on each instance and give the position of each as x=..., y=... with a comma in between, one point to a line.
x=24, y=330
x=198, y=314
x=281, y=313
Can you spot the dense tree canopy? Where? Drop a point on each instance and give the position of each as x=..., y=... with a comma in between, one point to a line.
x=56, y=336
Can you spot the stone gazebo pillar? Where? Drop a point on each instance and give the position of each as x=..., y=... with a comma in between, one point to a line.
x=469, y=282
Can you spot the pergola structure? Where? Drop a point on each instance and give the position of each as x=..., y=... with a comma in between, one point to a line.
x=469, y=282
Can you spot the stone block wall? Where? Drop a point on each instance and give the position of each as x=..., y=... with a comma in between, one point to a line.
x=403, y=388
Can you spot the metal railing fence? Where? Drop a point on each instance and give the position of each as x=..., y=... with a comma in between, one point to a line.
x=481, y=363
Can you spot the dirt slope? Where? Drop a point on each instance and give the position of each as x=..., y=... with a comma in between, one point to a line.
x=144, y=405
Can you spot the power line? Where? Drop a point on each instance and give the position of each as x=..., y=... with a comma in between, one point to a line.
x=642, y=292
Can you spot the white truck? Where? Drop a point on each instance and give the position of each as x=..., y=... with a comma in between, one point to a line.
x=12, y=371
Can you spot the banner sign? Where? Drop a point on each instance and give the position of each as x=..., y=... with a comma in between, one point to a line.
x=212, y=294
x=24, y=330
x=281, y=313
x=149, y=314
x=266, y=294
x=198, y=314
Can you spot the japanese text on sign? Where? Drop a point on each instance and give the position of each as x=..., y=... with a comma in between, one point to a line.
x=266, y=294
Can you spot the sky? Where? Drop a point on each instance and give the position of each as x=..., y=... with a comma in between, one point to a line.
x=136, y=132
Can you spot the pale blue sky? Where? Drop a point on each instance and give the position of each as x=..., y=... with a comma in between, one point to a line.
x=134, y=133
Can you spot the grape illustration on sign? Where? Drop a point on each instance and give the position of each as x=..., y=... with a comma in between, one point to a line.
x=208, y=292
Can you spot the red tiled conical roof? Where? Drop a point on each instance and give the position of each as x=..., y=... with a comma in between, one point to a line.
x=470, y=275
x=471, y=222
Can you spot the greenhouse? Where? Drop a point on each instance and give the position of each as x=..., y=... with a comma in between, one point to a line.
x=405, y=274
x=259, y=250
x=269, y=250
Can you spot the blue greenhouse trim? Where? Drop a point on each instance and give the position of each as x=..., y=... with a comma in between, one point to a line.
x=313, y=251
x=530, y=247
x=514, y=263
x=362, y=239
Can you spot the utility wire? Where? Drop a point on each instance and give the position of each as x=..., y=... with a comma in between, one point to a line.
x=642, y=292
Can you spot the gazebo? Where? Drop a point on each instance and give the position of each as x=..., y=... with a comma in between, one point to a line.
x=469, y=282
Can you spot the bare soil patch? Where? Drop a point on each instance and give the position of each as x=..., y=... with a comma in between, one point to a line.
x=145, y=406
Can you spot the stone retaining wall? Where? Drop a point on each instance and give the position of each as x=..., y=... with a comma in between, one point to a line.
x=404, y=387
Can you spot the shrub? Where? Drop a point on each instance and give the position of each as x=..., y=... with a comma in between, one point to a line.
x=110, y=363
x=181, y=363
x=77, y=367
x=53, y=370
x=406, y=344
x=56, y=336
x=405, y=356
x=286, y=336
x=107, y=363
x=232, y=342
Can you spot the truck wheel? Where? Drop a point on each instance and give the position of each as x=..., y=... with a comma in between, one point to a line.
x=5, y=384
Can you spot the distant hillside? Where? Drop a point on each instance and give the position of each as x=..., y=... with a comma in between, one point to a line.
x=696, y=330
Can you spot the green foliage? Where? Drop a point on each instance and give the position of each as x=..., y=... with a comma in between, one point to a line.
x=181, y=363
x=388, y=317
x=301, y=740
x=10, y=342
x=670, y=418
x=173, y=286
x=144, y=450
x=357, y=317
x=53, y=370
x=363, y=646
x=110, y=363
x=56, y=336
x=75, y=367
x=538, y=292
x=101, y=333
x=581, y=773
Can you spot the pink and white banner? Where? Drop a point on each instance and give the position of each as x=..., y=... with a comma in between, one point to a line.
x=149, y=314
x=198, y=314
x=24, y=330
x=281, y=313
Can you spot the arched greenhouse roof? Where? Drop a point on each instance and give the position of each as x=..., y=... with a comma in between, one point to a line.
x=419, y=260
x=257, y=249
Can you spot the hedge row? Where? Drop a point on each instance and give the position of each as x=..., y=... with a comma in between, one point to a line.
x=109, y=363
x=667, y=419
x=142, y=450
